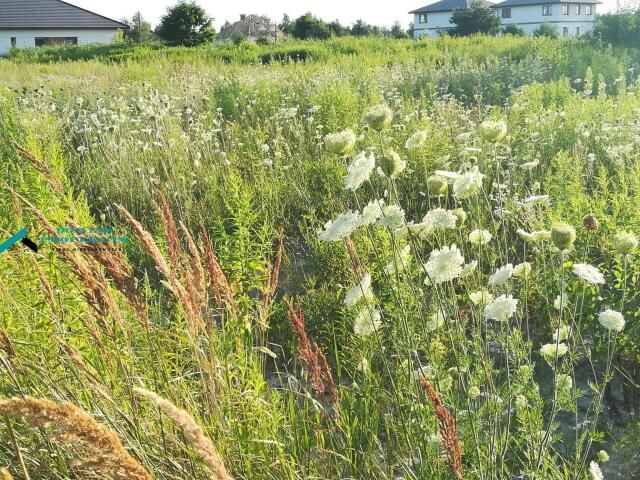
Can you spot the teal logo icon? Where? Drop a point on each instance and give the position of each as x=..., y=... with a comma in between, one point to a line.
x=21, y=237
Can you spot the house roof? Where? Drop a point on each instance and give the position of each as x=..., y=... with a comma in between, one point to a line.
x=446, y=6
x=30, y=14
x=250, y=26
x=522, y=3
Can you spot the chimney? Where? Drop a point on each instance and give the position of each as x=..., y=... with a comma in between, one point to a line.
x=242, y=16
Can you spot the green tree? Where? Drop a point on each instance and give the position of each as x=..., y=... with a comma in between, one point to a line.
x=513, y=29
x=286, y=25
x=618, y=28
x=309, y=27
x=546, y=30
x=398, y=32
x=139, y=29
x=186, y=24
x=475, y=19
x=337, y=29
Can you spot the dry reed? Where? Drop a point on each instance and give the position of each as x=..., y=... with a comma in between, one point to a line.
x=191, y=431
x=98, y=450
x=447, y=429
x=5, y=475
x=318, y=372
x=218, y=282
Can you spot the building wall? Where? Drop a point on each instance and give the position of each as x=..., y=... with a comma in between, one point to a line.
x=435, y=21
x=529, y=18
x=27, y=38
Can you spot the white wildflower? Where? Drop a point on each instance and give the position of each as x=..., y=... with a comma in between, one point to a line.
x=553, y=350
x=436, y=320
x=611, y=320
x=501, y=276
x=440, y=219
x=522, y=270
x=561, y=302
x=392, y=216
x=468, y=269
x=367, y=322
x=400, y=261
x=588, y=273
x=480, y=237
x=468, y=184
x=595, y=472
x=501, y=309
x=481, y=297
x=359, y=171
x=562, y=333
x=360, y=291
x=444, y=265
x=372, y=212
x=416, y=140
x=343, y=226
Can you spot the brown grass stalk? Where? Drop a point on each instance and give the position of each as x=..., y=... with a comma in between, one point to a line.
x=97, y=450
x=196, y=272
x=192, y=432
x=447, y=429
x=40, y=166
x=5, y=475
x=273, y=279
x=355, y=259
x=218, y=282
x=170, y=230
x=315, y=362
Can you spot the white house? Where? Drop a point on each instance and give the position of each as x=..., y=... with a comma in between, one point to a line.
x=429, y=20
x=570, y=18
x=33, y=23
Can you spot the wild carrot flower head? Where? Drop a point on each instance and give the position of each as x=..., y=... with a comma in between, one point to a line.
x=372, y=212
x=501, y=309
x=361, y=291
x=492, y=131
x=367, y=322
x=378, y=117
x=359, y=171
x=563, y=236
x=553, y=350
x=392, y=216
x=340, y=143
x=444, y=265
x=416, y=140
x=344, y=225
x=522, y=270
x=501, y=275
x=611, y=320
x=480, y=237
x=588, y=273
x=595, y=472
x=440, y=219
x=391, y=164
x=468, y=184
x=481, y=297
x=625, y=242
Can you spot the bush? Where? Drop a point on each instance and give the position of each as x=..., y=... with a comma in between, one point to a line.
x=513, y=29
x=546, y=30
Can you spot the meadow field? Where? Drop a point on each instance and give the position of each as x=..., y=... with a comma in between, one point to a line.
x=349, y=259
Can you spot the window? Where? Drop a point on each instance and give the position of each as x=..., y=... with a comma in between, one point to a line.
x=565, y=9
x=565, y=31
x=41, y=41
x=578, y=9
x=577, y=31
x=506, y=12
x=546, y=10
x=422, y=18
x=588, y=9
x=14, y=41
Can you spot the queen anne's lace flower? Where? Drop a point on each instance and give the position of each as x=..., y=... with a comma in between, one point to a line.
x=501, y=276
x=340, y=143
x=392, y=216
x=372, y=212
x=367, y=322
x=469, y=268
x=468, y=184
x=595, y=472
x=564, y=382
x=522, y=270
x=440, y=219
x=444, y=265
x=359, y=171
x=343, y=226
x=436, y=320
x=480, y=237
x=501, y=309
x=553, y=350
x=536, y=236
x=360, y=291
x=611, y=320
x=561, y=302
x=481, y=297
x=588, y=273
x=416, y=140
x=561, y=334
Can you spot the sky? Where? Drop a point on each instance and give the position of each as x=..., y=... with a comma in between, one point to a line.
x=377, y=12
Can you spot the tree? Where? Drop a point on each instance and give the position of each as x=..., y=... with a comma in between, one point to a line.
x=475, y=19
x=398, y=32
x=286, y=25
x=546, y=30
x=513, y=29
x=309, y=27
x=361, y=29
x=337, y=29
x=139, y=29
x=186, y=24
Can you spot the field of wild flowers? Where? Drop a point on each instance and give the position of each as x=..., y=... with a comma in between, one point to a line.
x=353, y=259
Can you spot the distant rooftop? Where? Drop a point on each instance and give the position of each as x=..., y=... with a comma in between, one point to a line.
x=250, y=26
x=30, y=14
x=521, y=3
x=447, y=5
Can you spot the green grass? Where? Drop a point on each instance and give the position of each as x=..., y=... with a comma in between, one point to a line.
x=233, y=137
